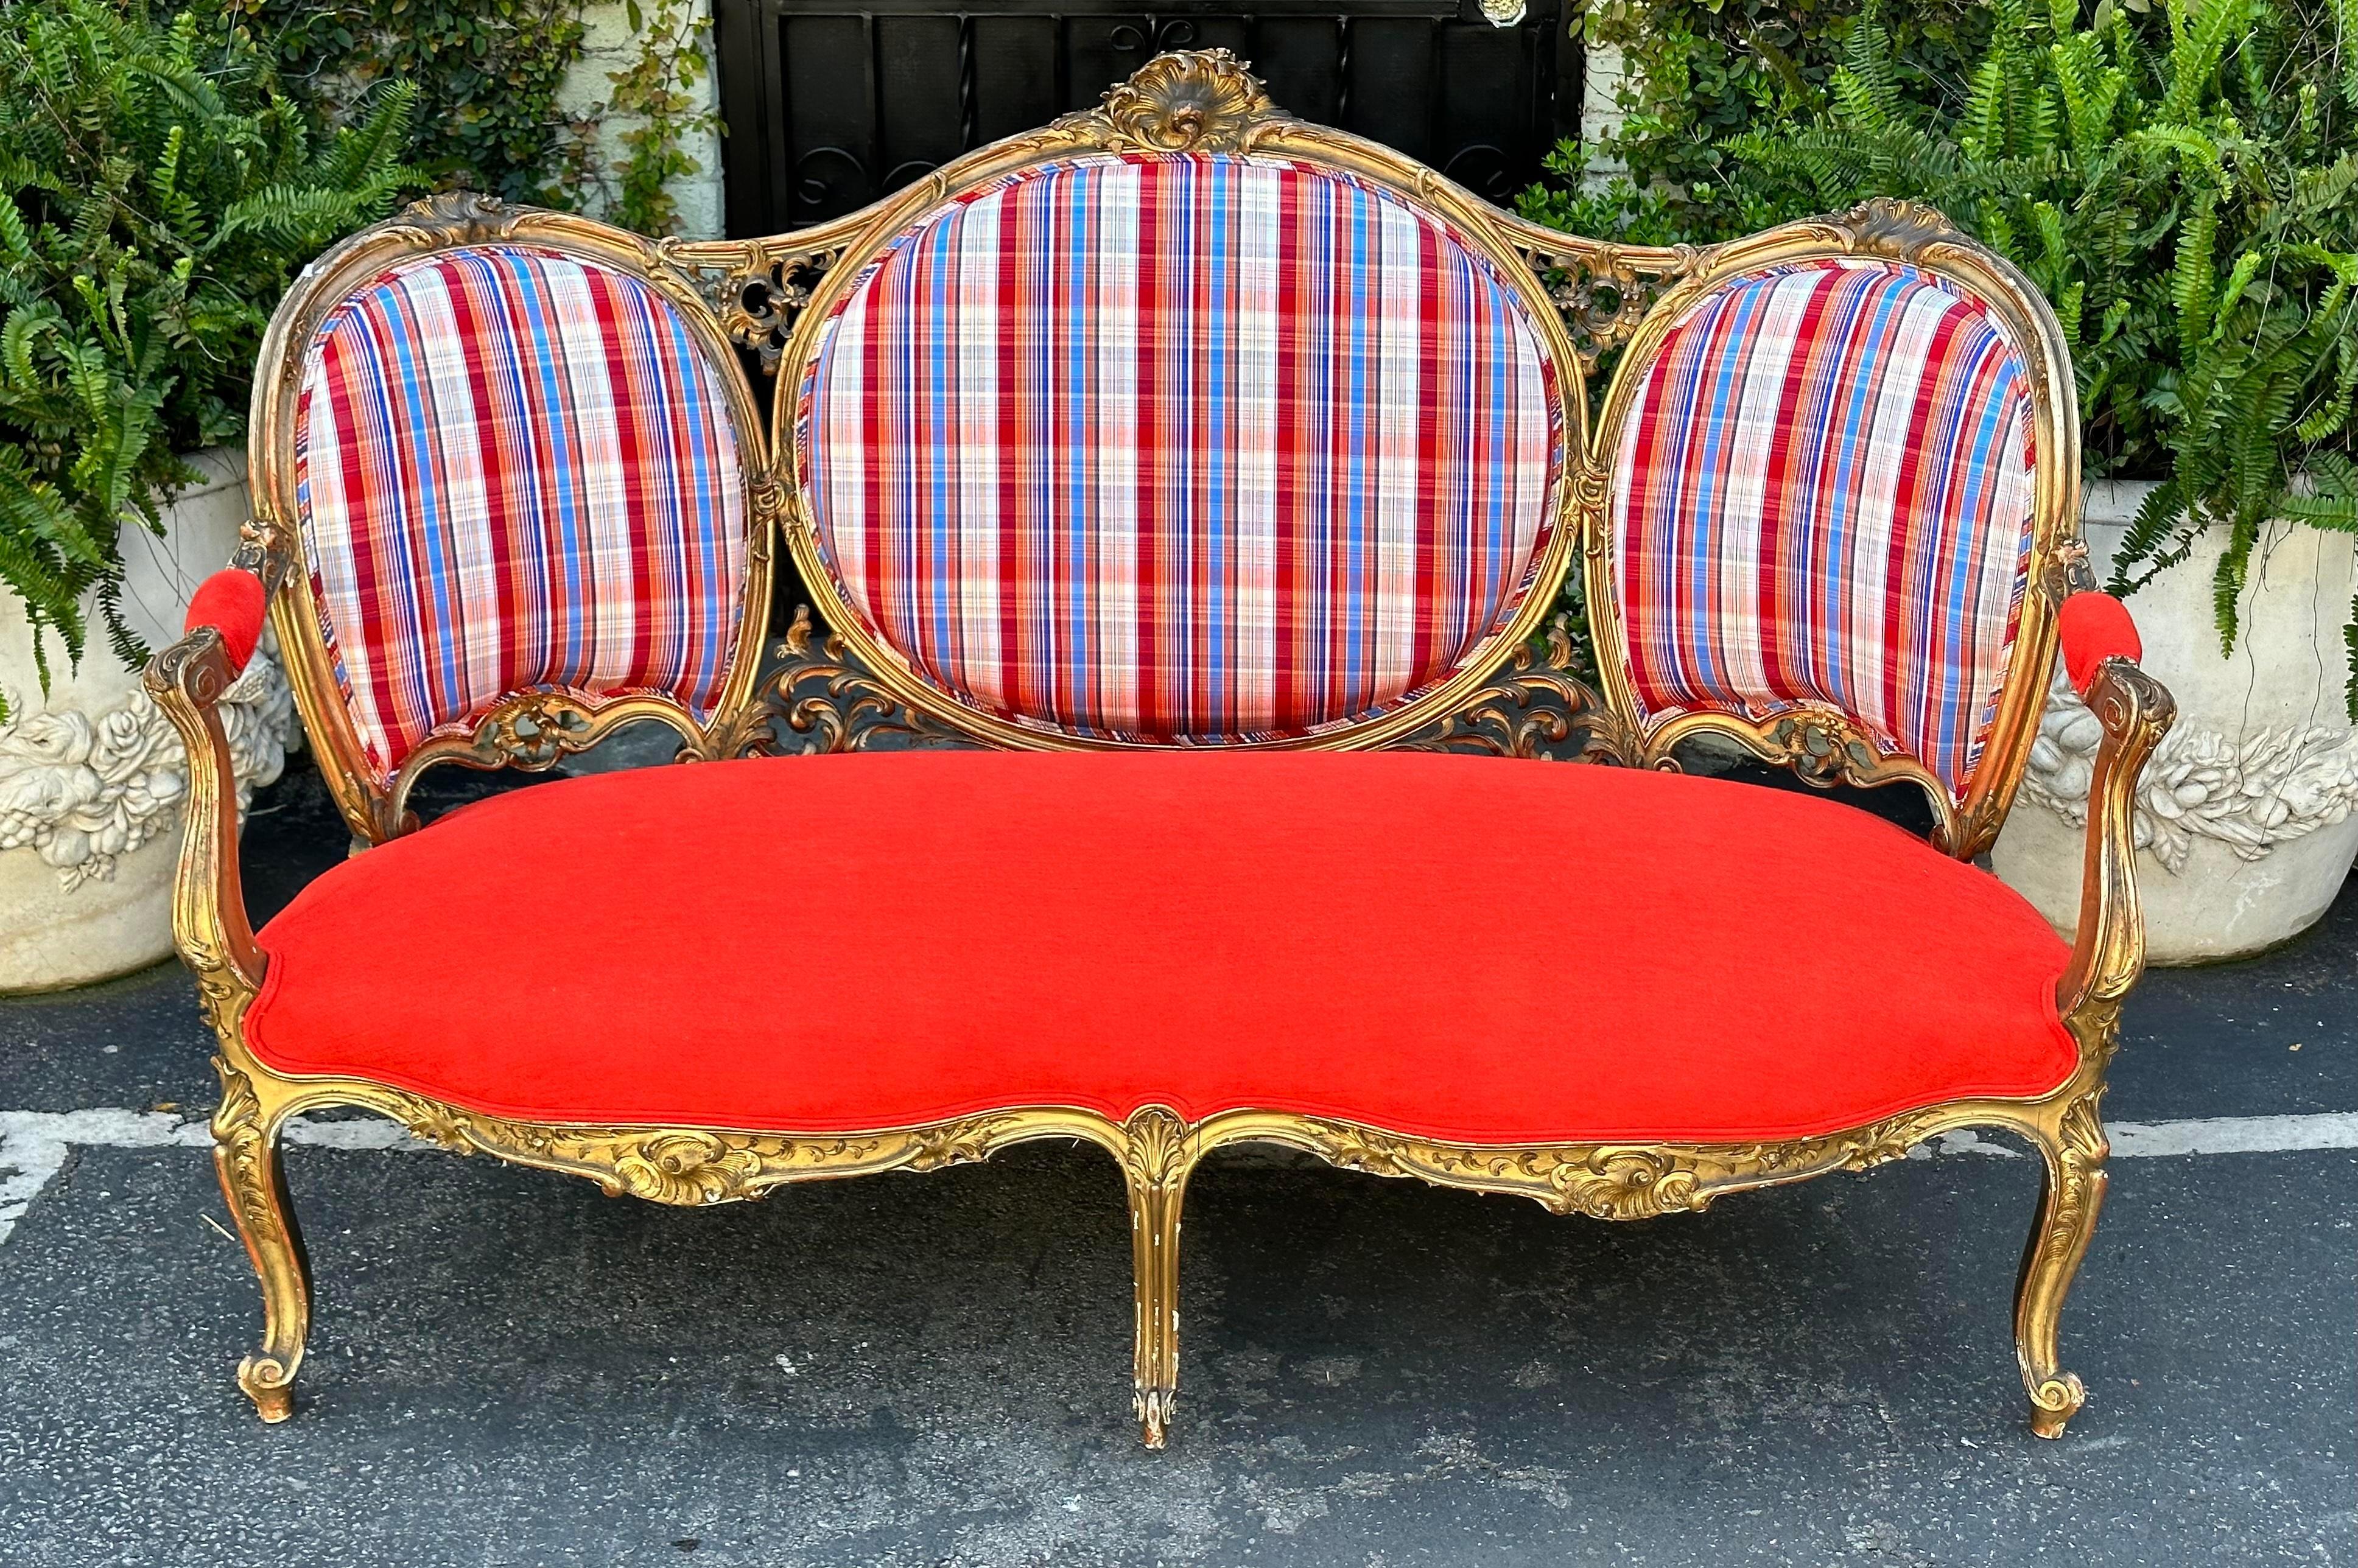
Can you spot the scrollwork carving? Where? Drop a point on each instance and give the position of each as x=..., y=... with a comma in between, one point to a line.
x=1604, y=1182
x=532, y=731
x=1189, y=101
x=237, y=1128
x=456, y=218
x=758, y=296
x=1902, y=230
x=1603, y=291
x=1825, y=748
x=1536, y=703
x=694, y=1167
x=822, y=693
x=1612, y=1180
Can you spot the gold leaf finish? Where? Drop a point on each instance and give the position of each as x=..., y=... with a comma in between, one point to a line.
x=822, y=694
x=246, y=1157
x=1536, y=706
x=1204, y=101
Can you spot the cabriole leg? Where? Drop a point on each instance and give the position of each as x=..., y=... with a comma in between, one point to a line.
x=2074, y=1155
x=1156, y=1161
x=246, y=1154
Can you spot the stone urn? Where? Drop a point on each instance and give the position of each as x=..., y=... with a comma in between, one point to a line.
x=92, y=776
x=2247, y=816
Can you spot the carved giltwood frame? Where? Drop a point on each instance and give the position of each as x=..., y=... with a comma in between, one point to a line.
x=1190, y=102
x=1819, y=741
x=528, y=730
x=756, y=295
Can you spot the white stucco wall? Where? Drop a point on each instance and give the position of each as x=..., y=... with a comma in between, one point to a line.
x=1600, y=105
x=609, y=47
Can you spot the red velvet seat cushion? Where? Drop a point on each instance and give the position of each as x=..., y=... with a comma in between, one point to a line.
x=1458, y=947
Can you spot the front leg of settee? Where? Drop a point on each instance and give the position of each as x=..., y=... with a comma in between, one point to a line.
x=2101, y=651
x=211, y=928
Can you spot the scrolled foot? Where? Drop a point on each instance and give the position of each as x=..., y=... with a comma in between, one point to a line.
x=1153, y=1408
x=268, y=1383
x=2054, y=1401
x=2074, y=1152
x=245, y=1155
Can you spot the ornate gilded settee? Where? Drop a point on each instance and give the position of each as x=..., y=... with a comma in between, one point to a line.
x=1180, y=488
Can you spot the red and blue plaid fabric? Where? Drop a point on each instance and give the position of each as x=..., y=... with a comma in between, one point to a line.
x=1822, y=495
x=1182, y=448
x=514, y=470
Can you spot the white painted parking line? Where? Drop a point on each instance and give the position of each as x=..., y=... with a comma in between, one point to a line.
x=34, y=1143
x=2234, y=1135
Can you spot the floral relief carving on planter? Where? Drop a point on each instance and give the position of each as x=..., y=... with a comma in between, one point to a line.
x=2271, y=786
x=81, y=790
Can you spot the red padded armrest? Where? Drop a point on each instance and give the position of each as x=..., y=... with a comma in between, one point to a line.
x=2095, y=627
x=231, y=602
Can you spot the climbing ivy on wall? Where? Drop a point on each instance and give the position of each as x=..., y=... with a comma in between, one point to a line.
x=487, y=72
x=491, y=75
x=657, y=90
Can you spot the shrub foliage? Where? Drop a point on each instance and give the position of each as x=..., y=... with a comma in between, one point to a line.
x=157, y=192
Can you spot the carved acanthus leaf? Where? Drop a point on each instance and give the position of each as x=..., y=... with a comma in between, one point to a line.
x=1825, y=748
x=456, y=218
x=1604, y=291
x=1903, y=230
x=1534, y=705
x=532, y=731
x=1616, y=1181
x=238, y=1131
x=1188, y=101
x=694, y=1167
x=820, y=692
x=759, y=297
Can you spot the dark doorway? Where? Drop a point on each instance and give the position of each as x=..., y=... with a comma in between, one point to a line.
x=831, y=105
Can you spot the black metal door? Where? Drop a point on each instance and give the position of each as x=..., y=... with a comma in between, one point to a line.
x=831, y=105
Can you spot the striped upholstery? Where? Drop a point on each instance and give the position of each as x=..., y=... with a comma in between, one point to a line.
x=1822, y=493
x=1180, y=448
x=514, y=470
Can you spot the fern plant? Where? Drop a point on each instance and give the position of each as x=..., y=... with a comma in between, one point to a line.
x=157, y=193
x=2180, y=187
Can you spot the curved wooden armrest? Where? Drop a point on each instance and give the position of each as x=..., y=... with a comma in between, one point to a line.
x=2108, y=951
x=233, y=603
x=209, y=918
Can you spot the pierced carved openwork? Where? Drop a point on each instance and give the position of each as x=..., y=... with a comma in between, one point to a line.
x=1536, y=706
x=757, y=290
x=820, y=698
x=1600, y=289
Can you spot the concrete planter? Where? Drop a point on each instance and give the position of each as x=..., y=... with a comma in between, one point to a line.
x=2248, y=814
x=92, y=778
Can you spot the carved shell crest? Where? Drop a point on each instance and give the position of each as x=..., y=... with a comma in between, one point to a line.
x=1194, y=100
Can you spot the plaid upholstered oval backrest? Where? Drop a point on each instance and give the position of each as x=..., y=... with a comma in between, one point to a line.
x=1822, y=493
x=1181, y=447
x=514, y=470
